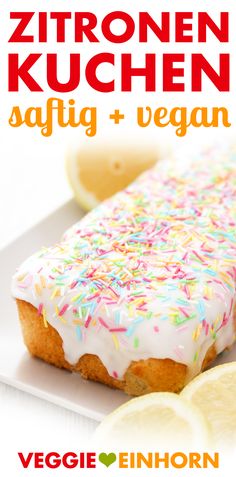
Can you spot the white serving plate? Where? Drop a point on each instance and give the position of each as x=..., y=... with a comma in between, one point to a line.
x=22, y=371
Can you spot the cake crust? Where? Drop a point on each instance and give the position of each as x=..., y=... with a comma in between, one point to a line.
x=141, y=377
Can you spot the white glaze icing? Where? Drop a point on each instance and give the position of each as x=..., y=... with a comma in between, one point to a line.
x=149, y=273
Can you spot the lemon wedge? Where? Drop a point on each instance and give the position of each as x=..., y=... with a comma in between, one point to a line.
x=97, y=172
x=155, y=421
x=214, y=392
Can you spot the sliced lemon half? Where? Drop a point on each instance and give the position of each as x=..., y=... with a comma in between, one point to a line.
x=214, y=392
x=95, y=173
x=155, y=421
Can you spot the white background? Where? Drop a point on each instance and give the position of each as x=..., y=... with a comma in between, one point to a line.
x=32, y=176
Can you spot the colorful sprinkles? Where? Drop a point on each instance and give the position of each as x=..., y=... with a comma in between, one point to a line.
x=154, y=264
